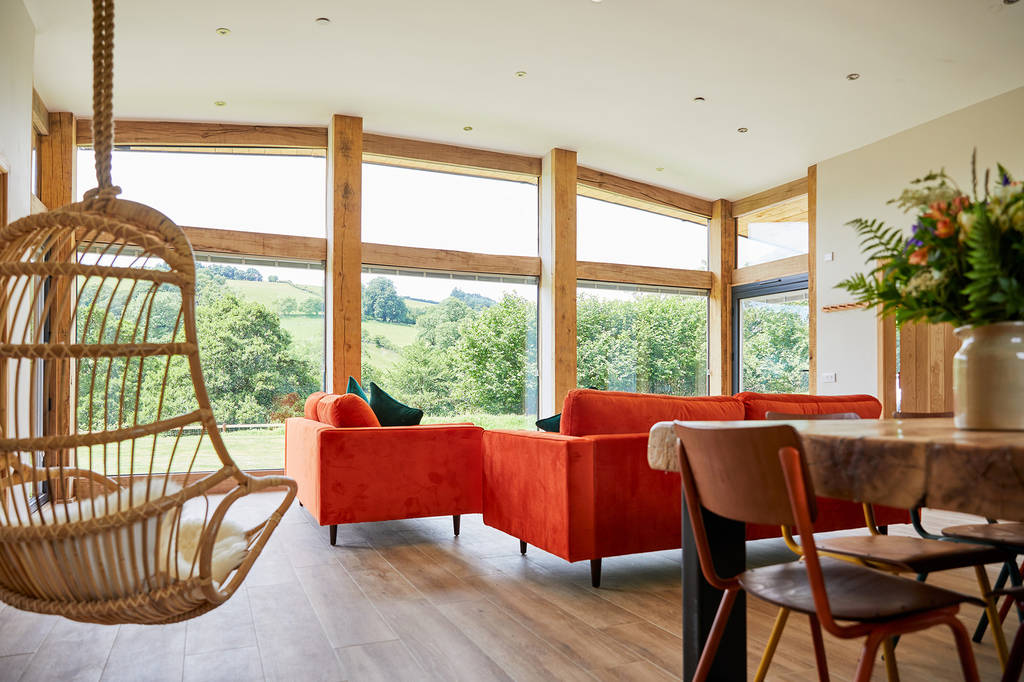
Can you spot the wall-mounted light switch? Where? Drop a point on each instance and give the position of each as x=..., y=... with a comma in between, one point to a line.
x=830, y=256
x=828, y=377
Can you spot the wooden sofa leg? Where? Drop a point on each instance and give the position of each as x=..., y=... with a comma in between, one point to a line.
x=522, y=547
x=595, y=572
x=334, y=534
x=456, y=523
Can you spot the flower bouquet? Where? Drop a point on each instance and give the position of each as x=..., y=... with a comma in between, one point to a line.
x=963, y=263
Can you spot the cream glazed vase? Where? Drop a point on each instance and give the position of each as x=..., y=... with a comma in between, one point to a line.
x=988, y=377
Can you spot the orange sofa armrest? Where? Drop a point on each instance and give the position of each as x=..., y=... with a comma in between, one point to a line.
x=398, y=472
x=539, y=487
x=302, y=458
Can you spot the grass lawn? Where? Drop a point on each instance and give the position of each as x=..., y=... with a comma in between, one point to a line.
x=488, y=421
x=252, y=449
x=268, y=293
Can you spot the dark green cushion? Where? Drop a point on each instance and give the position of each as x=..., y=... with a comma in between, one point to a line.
x=389, y=411
x=552, y=424
x=354, y=387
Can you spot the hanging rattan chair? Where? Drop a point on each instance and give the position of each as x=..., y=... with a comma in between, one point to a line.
x=128, y=531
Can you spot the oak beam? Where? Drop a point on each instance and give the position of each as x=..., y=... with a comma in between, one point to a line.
x=812, y=277
x=389, y=255
x=722, y=255
x=617, y=185
x=344, y=248
x=187, y=133
x=783, y=267
x=643, y=274
x=449, y=154
x=284, y=246
x=57, y=153
x=40, y=115
x=769, y=197
x=557, y=320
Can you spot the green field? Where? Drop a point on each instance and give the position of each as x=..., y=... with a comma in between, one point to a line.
x=269, y=293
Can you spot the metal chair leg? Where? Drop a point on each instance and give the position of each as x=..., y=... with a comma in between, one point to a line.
x=773, y=643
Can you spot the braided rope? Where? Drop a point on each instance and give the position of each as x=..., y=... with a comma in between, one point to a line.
x=103, y=89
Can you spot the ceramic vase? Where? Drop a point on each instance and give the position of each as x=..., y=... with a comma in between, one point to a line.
x=988, y=377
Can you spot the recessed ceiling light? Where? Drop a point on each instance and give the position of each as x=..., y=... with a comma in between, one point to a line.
x=467, y=128
x=595, y=0
x=660, y=168
x=322, y=21
x=520, y=74
x=699, y=99
x=219, y=103
x=852, y=76
x=223, y=31
x=741, y=130
x=1009, y=2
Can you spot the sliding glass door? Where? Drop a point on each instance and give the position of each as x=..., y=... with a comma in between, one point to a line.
x=771, y=345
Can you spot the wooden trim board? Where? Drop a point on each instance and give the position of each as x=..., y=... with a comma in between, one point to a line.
x=451, y=261
x=388, y=147
x=812, y=277
x=208, y=134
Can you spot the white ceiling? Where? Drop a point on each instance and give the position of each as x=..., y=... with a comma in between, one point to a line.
x=614, y=80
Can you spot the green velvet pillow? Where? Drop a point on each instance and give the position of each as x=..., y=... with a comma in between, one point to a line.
x=354, y=387
x=552, y=424
x=389, y=411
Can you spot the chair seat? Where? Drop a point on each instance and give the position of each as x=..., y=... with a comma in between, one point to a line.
x=916, y=555
x=1009, y=534
x=854, y=592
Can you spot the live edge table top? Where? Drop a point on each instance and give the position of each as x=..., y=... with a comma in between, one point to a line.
x=899, y=463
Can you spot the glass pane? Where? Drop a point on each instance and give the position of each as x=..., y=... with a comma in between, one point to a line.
x=772, y=233
x=766, y=242
x=261, y=342
x=774, y=348
x=643, y=339
x=462, y=348
x=613, y=233
x=411, y=207
x=275, y=193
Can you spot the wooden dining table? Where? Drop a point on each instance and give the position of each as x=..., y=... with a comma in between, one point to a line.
x=898, y=463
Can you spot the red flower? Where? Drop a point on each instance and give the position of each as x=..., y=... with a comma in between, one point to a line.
x=938, y=210
x=919, y=257
x=944, y=228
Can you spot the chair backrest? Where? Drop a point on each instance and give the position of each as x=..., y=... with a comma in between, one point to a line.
x=777, y=416
x=736, y=471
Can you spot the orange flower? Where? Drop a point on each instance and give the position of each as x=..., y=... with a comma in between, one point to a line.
x=938, y=210
x=960, y=203
x=944, y=228
x=919, y=257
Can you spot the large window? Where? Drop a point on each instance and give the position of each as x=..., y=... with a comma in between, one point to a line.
x=772, y=233
x=260, y=326
x=411, y=207
x=643, y=339
x=613, y=233
x=460, y=347
x=275, y=191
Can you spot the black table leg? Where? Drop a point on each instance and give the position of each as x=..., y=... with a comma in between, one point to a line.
x=700, y=600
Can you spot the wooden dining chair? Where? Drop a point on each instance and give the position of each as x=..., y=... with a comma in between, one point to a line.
x=903, y=554
x=1015, y=663
x=759, y=475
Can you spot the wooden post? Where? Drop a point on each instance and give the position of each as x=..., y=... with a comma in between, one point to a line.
x=812, y=274
x=722, y=254
x=556, y=329
x=57, y=152
x=887, y=376
x=344, y=248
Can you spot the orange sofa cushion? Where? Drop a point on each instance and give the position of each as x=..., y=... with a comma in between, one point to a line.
x=588, y=412
x=756, y=405
x=345, y=411
x=309, y=410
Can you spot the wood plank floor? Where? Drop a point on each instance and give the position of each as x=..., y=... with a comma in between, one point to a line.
x=405, y=600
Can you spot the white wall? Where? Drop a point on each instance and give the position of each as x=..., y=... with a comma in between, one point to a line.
x=857, y=185
x=17, y=42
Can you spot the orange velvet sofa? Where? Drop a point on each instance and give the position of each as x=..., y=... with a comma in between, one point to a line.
x=355, y=474
x=587, y=492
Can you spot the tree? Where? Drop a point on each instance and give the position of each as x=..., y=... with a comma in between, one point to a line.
x=492, y=356
x=247, y=365
x=474, y=301
x=312, y=306
x=271, y=278
x=381, y=302
x=287, y=306
x=776, y=348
